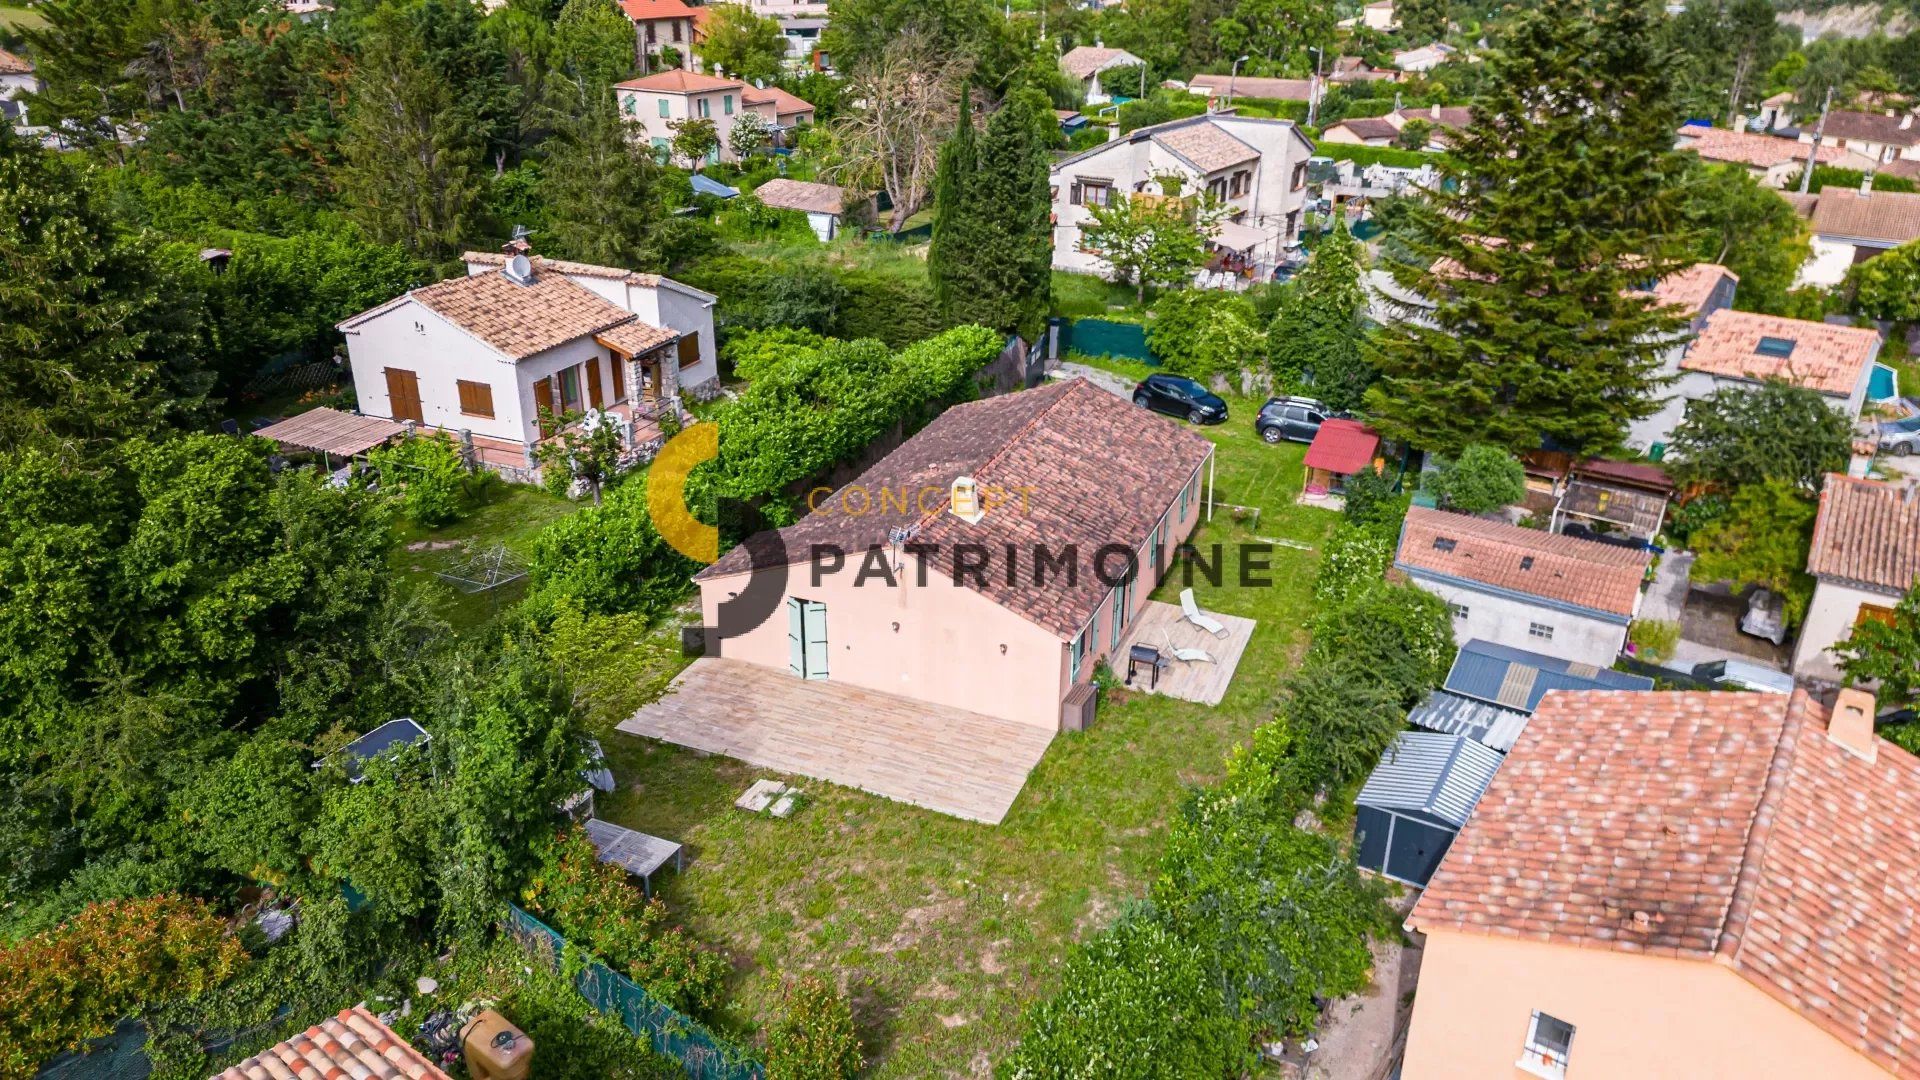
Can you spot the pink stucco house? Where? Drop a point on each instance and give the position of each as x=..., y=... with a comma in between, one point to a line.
x=978, y=565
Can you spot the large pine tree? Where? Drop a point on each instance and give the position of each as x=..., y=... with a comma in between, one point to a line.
x=1318, y=333
x=1560, y=202
x=991, y=259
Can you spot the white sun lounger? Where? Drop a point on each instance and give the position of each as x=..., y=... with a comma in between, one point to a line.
x=1200, y=618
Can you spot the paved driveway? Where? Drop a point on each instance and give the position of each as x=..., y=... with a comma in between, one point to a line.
x=957, y=762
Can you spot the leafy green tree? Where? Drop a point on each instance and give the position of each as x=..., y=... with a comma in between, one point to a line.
x=1401, y=634
x=1750, y=230
x=1415, y=134
x=1886, y=652
x=743, y=44
x=96, y=331
x=1203, y=332
x=1761, y=541
x=1153, y=240
x=1738, y=437
x=427, y=474
x=860, y=32
x=1273, y=29
x=814, y=1038
x=593, y=43
x=1344, y=718
x=1888, y=286
x=1371, y=502
x=1422, y=21
x=991, y=259
x=601, y=185
x=1480, y=480
x=577, y=453
x=1558, y=199
x=1315, y=342
x=694, y=139
x=82, y=54
x=413, y=144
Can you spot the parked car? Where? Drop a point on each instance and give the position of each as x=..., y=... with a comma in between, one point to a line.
x=1296, y=418
x=1900, y=437
x=1177, y=395
x=1766, y=616
x=1743, y=675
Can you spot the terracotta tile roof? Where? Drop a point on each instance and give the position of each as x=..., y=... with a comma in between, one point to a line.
x=515, y=320
x=679, y=81
x=1343, y=447
x=1890, y=217
x=1368, y=127
x=1692, y=288
x=1446, y=116
x=11, y=64
x=1750, y=148
x=784, y=194
x=1206, y=145
x=1867, y=533
x=353, y=1044
x=645, y=10
x=1735, y=830
x=1255, y=87
x=1904, y=168
x=1829, y=359
x=1900, y=130
x=635, y=337
x=784, y=103
x=1564, y=569
x=1035, y=440
x=1086, y=61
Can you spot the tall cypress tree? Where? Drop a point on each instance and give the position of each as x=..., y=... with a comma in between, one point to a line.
x=992, y=245
x=1561, y=200
x=1318, y=333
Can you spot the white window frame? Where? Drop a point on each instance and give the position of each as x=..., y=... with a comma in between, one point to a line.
x=1540, y=1060
x=1540, y=630
x=1076, y=655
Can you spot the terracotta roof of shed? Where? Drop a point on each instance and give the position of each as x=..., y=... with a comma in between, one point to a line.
x=1565, y=569
x=1086, y=61
x=352, y=1044
x=1368, y=127
x=784, y=103
x=1825, y=358
x=1733, y=824
x=1867, y=533
x=1890, y=217
x=1343, y=447
x=1751, y=148
x=1036, y=441
x=784, y=194
x=1207, y=146
x=13, y=64
x=1255, y=86
x=1693, y=287
x=644, y=10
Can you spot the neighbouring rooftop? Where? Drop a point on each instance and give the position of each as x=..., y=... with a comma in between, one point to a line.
x=784, y=194
x=1818, y=356
x=1762, y=832
x=1752, y=149
x=1867, y=533
x=1562, y=569
x=1517, y=679
x=1432, y=773
x=1890, y=218
x=353, y=1045
x=1086, y=61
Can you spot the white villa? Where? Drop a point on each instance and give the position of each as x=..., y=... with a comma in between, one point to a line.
x=481, y=356
x=1257, y=167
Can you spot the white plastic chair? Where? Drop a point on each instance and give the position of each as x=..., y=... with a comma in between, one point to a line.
x=1191, y=656
x=1199, y=618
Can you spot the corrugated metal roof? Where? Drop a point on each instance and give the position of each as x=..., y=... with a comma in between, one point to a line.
x=1477, y=720
x=1433, y=773
x=1518, y=679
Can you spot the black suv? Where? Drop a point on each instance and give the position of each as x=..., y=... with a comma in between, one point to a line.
x=1296, y=418
x=1177, y=395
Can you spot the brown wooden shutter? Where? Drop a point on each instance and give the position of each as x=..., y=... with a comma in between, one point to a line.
x=593, y=384
x=543, y=404
x=619, y=378
x=476, y=398
x=403, y=395
x=689, y=350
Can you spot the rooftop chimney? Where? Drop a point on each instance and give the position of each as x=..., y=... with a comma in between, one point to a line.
x=1851, y=725
x=1906, y=121
x=965, y=503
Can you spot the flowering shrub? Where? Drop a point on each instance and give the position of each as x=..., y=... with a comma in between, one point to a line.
x=592, y=905
x=73, y=983
x=814, y=1039
x=1355, y=560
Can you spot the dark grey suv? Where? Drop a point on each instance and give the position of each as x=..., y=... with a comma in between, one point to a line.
x=1295, y=418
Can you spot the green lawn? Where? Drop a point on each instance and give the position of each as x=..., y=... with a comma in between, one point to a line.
x=19, y=18
x=1078, y=296
x=500, y=513
x=942, y=929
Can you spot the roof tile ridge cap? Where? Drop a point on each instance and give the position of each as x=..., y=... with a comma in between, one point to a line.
x=930, y=516
x=1746, y=884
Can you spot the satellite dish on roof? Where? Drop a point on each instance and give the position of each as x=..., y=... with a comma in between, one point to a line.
x=519, y=270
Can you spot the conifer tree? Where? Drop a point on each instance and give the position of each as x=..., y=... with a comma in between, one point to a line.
x=1318, y=333
x=1561, y=201
x=992, y=247
x=598, y=182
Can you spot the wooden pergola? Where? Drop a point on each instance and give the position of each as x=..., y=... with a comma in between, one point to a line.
x=332, y=433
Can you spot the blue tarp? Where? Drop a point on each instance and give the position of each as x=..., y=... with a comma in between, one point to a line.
x=705, y=185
